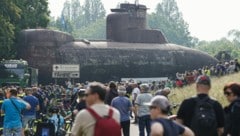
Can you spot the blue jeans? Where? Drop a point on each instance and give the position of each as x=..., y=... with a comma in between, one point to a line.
x=144, y=122
x=12, y=131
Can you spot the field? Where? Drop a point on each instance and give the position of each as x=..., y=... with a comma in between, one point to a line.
x=179, y=94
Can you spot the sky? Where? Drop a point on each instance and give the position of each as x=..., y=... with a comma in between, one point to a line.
x=208, y=19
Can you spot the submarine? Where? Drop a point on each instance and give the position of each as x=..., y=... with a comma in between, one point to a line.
x=130, y=50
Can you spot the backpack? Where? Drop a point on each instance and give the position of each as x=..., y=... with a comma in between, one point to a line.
x=105, y=126
x=204, y=122
x=60, y=130
x=45, y=129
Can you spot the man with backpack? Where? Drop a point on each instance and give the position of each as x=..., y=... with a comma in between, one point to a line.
x=201, y=113
x=98, y=119
x=58, y=121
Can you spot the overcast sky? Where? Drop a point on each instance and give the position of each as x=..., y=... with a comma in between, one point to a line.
x=207, y=19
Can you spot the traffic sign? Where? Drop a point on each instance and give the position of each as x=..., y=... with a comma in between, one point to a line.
x=65, y=67
x=65, y=74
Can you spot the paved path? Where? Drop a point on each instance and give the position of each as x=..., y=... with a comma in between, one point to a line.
x=134, y=130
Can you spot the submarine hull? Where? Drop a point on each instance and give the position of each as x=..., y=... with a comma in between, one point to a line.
x=104, y=61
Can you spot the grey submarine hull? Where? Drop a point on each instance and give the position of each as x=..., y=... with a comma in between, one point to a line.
x=105, y=60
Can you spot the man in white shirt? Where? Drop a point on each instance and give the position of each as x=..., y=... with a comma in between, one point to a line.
x=84, y=124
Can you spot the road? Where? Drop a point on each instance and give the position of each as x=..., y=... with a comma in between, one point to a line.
x=134, y=129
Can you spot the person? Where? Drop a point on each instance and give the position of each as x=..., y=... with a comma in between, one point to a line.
x=165, y=92
x=232, y=111
x=237, y=65
x=84, y=124
x=124, y=106
x=21, y=93
x=2, y=97
x=56, y=118
x=187, y=111
x=161, y=125
x=143, y=112
x=36, y=93
x=12, y=108
x=179, y=83
x=33, y=101
x=81, y=102
x=135, y=93
x=112, y=93
x=78, y=104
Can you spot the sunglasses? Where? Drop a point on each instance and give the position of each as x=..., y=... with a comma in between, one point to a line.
x=227, y=93
x=152, y=107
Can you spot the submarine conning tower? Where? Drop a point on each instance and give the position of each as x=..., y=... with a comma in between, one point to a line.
x=129, y=24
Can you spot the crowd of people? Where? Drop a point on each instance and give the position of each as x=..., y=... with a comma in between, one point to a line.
x=189, y=77
x=94, y=107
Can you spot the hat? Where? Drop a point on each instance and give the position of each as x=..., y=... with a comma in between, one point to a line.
x=161, y=102
x=204, y=80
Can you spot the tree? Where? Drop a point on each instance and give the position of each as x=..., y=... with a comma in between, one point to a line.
x=214, y=47
x=235, y=36
x=17, y=15
x=76, y=14
x=9, y=12
x=82, y=22
x=95, y=30
x=93, y=10
x=169, y=20
x=34, y=14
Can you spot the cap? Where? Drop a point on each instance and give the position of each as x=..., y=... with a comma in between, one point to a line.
x=204, y=80
x=161, y=102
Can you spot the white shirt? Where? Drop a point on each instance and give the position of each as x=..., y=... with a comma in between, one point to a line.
x=84, y=123
x=136, y=90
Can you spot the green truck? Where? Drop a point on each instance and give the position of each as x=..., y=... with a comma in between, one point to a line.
x=17, y=72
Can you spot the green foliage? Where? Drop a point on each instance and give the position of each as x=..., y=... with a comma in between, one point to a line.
x=34, y=13
x=213, y=47
x=16, y=15
x=96, y=30
x=77, y=14
x=87, y=21
x=169, y=20
x=93, y=10
x=9, y=12
x=235, y=36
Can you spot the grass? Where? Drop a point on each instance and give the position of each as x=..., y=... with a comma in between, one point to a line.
x=179, y=94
